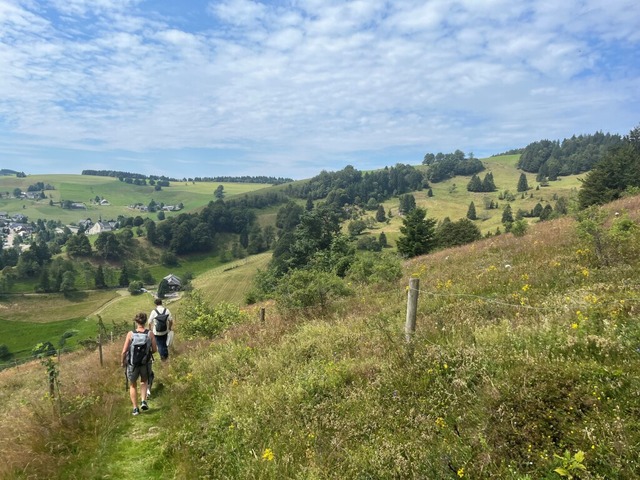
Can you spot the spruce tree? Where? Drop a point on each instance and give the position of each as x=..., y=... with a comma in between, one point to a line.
x=523, y=186
x=507, y=215
x=418, y=234
x=471, y=212
x=488, y=184
x=99, y=278
x=380, y=215
x=475, y=184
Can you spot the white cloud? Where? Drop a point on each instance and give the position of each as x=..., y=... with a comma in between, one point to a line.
x=318, y=79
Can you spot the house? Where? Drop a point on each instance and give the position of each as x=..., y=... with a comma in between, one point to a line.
x=99, y=227
x=104, y=202
x=78, y=206
x=85, y=224
x=174, y=283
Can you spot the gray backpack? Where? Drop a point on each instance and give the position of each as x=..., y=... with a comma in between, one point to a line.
x=140, y=348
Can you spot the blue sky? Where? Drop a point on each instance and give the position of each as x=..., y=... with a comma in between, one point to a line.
x=288, y=88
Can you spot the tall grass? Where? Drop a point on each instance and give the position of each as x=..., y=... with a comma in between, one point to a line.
x=525, y=355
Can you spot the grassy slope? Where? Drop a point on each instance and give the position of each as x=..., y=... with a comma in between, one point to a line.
x=84, y=188
x=510, y=366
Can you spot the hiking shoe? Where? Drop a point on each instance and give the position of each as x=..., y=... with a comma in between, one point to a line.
x=144, y=405
x=135, y=411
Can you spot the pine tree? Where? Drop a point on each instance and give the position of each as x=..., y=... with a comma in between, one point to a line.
x=488, y=184
x=99, y=278
x=475, y=184
x=382, y=240
x=418, y=234
x=523, y=186
x=507, y=215
x=123, y=281
x=471, y=212
x=380, y=215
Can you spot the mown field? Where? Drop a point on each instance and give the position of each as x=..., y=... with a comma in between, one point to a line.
x=84, y=188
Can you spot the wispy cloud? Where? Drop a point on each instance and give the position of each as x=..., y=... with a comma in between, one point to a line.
x=285, y=88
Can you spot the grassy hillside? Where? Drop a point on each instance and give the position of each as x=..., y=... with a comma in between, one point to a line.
x=451, y=198
x=84, y=188
x=524, y=362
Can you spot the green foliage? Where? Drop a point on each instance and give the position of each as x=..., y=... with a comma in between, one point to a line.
x=169, y=259
x=356, y=227
x=5, y=353
x=523, y=185
x=200, y=320
x=418, y=234
x=519, y=228
x=43, y=349
x=378, y=269
x=453, y=234
x=571, y=466
x=471, y=212
x=163, y=288
x=309, y=290
x=135, y=287
x=610, y=177
x=604, y=245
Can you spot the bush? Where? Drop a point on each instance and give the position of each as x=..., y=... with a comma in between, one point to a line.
x=169, y=259
x=43, y=349
x=135, y=287
x=201, y=320
x=519, y=228
x=5, y=354
x=375, y=269
x=308, y=289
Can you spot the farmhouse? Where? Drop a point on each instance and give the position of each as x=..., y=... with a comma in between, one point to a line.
x=173, y=282
x=99, y=227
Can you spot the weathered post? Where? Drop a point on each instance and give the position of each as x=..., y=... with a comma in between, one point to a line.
x=412, y=308
x=100, y=349
x=262, y=315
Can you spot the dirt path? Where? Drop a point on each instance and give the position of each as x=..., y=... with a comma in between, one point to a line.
x=121, y=292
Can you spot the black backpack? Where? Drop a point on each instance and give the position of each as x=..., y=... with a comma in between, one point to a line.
x=140, y=348
x=161, y=321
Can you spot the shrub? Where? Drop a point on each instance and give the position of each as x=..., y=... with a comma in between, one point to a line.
x=5, y=354
x=375, y=269
x=201, y=320
x=135, y=287
x=309, y=289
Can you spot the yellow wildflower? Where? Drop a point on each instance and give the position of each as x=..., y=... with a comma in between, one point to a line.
x=461, y=472
x=268, y=455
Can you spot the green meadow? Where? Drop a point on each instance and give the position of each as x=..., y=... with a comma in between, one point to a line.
x=85, y=188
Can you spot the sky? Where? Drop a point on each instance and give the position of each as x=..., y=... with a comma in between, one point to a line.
x=194, y=88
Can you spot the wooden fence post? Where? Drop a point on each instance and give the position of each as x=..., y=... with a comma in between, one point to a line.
x=100, y=348
x=262, y=315
x=412, y=308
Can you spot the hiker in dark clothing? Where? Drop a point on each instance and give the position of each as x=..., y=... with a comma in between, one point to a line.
x=138, y=347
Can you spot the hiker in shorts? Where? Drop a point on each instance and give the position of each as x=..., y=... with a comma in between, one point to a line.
x=161, y=332
x=138, y=367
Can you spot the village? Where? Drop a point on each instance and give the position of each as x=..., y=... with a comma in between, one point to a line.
x=17, y=229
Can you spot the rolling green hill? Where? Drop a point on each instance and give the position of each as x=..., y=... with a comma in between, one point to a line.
x=84, y=188
x=524, y=363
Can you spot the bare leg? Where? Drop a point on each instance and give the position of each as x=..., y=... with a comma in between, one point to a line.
x=133, y=393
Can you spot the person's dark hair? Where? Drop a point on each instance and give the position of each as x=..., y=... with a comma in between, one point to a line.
x=158, y=301
x=140, y=318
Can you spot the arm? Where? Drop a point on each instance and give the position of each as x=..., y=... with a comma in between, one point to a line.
x=125, y=349
x=154, y=346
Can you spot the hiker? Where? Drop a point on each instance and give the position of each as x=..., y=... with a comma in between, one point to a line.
x=162, y=322
x=136, y=357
